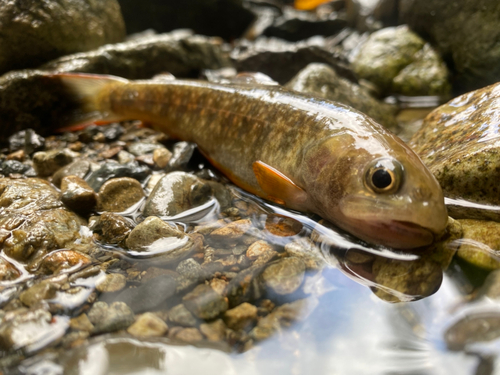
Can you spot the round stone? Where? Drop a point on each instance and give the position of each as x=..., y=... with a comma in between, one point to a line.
x=118, y=194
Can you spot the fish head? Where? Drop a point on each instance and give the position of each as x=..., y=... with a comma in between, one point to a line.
x=382, y=194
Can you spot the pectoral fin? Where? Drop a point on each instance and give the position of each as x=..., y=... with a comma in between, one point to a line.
x=278, y=187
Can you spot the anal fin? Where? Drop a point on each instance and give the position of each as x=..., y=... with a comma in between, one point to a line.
x=278, y=187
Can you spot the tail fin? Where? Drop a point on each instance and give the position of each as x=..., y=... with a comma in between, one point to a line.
x=86, y=90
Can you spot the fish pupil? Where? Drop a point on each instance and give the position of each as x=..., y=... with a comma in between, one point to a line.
x=381, y=179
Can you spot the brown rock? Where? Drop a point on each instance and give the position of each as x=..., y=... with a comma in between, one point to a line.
x=118, y=194
x=112, y=283
x=204, y=302
x=148, y=325
x=232, y=231
x=214, y=331
x=77, y=194
x=285, y=276
x=190, y=335
x=58, y=261
x=240, y=316
x=161, y=157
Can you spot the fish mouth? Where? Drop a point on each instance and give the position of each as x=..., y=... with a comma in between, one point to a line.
x=396, y=234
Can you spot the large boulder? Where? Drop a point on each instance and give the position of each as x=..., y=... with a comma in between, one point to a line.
x=33, y=31
x=466, y=33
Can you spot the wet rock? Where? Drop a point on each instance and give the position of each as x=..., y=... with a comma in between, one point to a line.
x=240, y=316
x=26, y=140
x=190, y=335
x=283, y=316
x=7, y=271
x=294, y=25
x=214, y=331
x=245, y=287
x=282, y=226
x=161, y=157
x=153, y=235
x=175, y=193
x=118, y=194
x=182, y=153
x=480, y=243
x=406, y=280
x=204, y=302
x=32, y=330
x=112, y=228
x=35, y=32
x=399, y=61
x=190, y=269
x=61, y=260
x=182, y=316
x=78, y=168
x=474, y=328
x=78, y=195
x=33, y=219
x=457, y=142
x=38, y=292
x=148, y=325
x=81, y=323
x=231, y=232
x=9, y=167
x=323, y=81
x=491, y=286
x=142, y=148
x=113, y=282
x=305, y=249
x=110, y=318
x=148, y=295
x=285, y=276
x=258, y=249
x=225, y=18
x=282, y=60
x=473, y=51
x=112, y=169
x=48, y=162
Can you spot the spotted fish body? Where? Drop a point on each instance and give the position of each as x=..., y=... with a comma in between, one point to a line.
x=307, y=153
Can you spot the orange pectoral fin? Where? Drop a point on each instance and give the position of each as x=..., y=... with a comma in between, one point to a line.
x=278, y=187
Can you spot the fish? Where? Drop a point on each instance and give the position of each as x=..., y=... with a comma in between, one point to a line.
x=303, y=152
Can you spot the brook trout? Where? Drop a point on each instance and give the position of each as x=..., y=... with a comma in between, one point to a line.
x=306, y=153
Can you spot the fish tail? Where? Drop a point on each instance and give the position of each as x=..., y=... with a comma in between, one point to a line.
x=89, y=93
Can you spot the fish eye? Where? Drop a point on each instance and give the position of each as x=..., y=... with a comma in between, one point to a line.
x=384, y=176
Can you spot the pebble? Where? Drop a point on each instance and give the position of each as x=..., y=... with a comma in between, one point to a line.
x=148, y=325
x=258, y=249
x=60, y=260
x=306, y=250
x=190, y=335
x=143, y=148
x=204, y=302
x=219, y=285
x=81, y=323
x=112, y=169
x=118, y=194
x=190, y=269
x=110, y=318
x=181, y=315
x=241, y=316
x=38, y=292
x=231, y=232
x=285, y=276
x=182, y=153
x=245, y=287
x=112, y=228
x=154, y=233
x=176, y=192
x=77, y=194
x=113, y=282
x=214, y=331
x=26, y=140
x=78, y=168
x=161, y=157
x=46, y=163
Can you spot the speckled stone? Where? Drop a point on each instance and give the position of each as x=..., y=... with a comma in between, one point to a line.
x=38, y=292
x=480, y=243
x=112, y=228
x=112, y=283
x=232, y=231
x=190, y=335
x=8, y=271
x=285, y=276
x=47, y=163
x=61, y=260
x=110, y=318
x=204, y=302
x=182, y=316
x=118, y=194
x=458, y=143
